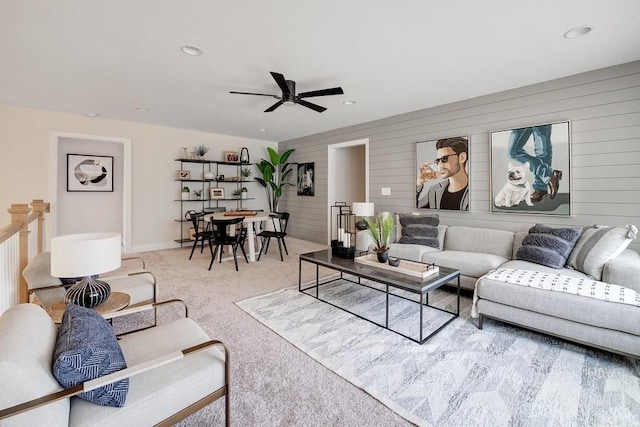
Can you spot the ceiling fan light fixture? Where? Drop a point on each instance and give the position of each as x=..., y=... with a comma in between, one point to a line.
x=191, y=50
x=288, y=103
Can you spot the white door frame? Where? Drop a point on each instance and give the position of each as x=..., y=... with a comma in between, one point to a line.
x=331, y=173
x=126, y=182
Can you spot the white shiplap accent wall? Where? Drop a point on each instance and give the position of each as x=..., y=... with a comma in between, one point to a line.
x=603, y=107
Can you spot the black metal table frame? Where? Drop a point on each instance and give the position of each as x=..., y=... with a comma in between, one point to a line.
x=424, y=296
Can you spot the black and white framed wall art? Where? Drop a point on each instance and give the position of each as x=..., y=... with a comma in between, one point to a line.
x=305, y=179
x=87, y=172
x=442, y=174
x=530, y=169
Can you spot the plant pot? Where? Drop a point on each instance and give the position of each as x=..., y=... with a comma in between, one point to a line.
x=383, y=256
x=185, y=196
x=243, y=195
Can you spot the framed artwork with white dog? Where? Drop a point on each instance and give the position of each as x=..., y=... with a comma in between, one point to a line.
x=530, y=169
x=442, y=174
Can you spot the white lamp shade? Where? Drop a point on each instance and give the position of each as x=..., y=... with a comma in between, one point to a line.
x=80, y=255
x=362, y=209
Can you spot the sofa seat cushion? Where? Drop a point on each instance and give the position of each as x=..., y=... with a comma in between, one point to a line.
x=470, y=264
x=585, y=310
x=87, y=349
x=25, y=366
x=158, y=393
x=409, y=251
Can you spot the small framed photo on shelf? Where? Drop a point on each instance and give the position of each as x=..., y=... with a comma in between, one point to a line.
x=216, y=193
x=184, y=175
x=231, y=156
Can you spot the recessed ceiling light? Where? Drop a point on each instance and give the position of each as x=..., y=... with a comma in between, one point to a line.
x=191, y=50
x=349, y=102
x=142, y=109
x=93, y=115
x=262, y=130
x=576, y=32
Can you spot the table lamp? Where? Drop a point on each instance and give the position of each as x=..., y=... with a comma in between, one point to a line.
x=362, y=209
x=85, y=255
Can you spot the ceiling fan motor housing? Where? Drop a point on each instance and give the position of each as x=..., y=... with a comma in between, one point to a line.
x=289, y=99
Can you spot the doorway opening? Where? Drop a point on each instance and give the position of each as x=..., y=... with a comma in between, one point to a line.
x=348, y=175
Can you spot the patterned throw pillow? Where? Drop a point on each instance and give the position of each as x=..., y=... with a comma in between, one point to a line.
x=420, y=229
x=86, y=349
x=598, y=245
x=548, y=246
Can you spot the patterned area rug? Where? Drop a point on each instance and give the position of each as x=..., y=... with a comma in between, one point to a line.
x=498, y=376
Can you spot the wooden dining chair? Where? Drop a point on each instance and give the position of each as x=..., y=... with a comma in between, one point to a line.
x=280, y=220
x=221, y=237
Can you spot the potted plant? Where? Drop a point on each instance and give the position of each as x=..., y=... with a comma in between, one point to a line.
x=244, y=193
x=245, y=172
x=380, y=232
x=274, y=175
x=200, y=151
x=185, y=193
x=198, y=194
x=237, y=193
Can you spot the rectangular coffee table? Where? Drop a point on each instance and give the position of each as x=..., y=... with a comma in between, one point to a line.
x=389, y=279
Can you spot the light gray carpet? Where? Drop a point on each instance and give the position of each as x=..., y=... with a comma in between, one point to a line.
x=463, y=376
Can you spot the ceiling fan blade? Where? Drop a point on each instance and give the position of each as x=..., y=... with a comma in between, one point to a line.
x=308, y=104
x=282, y=82
x=251, y=93
x=273, y=107
x=322, y=92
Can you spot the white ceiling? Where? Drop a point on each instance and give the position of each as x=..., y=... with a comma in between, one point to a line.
x=112, y=56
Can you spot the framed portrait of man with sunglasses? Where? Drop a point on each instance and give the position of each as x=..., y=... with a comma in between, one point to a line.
x=442, y=174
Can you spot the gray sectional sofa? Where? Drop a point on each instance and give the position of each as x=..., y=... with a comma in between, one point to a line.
x=475, y=252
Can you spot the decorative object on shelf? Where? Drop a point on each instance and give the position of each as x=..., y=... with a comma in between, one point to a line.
x=274, y=175
x=231, y=157
x=209, y=175
x=240, y=193
x=184, y=174
x=89, y=173
x=246, y=172
x=525, y=177
x=185, y=153
x=220, y=177
x=305, y=179
x=185, y=193
x=198, y=194
x=84, y=255
x=216, y=193
x=244, y=155
x=380, y=232
x=200, y=151
x=362, y=209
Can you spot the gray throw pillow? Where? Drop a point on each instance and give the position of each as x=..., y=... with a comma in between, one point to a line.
x=86, y=349
x=420, y=229
x=548, y=246
x=598, y=245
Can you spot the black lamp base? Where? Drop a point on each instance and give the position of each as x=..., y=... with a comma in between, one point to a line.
x=88, y=293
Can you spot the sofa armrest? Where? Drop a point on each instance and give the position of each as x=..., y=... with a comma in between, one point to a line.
x=119, y=375
x=623, y=270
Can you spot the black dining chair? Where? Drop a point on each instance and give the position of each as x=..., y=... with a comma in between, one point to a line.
x=200, y=232
x=280, y=220
x=221, y=237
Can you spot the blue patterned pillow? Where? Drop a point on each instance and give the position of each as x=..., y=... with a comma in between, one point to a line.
x=86, y=349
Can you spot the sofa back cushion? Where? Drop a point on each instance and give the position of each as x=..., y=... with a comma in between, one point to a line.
x=483, y=240
x=27, y=337
x=599, y=244
x=549, y=246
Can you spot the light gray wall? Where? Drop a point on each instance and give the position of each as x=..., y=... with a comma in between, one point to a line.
x=603, y=107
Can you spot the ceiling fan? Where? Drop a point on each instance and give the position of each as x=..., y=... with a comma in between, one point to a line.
x=289, y=96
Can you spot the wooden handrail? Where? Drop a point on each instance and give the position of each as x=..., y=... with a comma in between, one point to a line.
x=21, y=216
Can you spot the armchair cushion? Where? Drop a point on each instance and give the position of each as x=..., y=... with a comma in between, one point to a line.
x=86, y=349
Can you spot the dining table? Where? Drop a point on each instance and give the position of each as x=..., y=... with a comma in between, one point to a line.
x=251, y=218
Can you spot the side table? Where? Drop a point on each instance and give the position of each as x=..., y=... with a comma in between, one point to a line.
x=116, y=301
